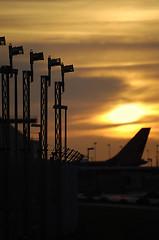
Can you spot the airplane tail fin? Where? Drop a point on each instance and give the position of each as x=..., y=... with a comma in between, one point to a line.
x=131, y=154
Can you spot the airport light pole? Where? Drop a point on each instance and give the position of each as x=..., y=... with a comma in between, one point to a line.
x=43, y=174
x=65, y=108
x=149, y=160
x=44, y=115
x=52, y=63
x=27, y=79
x=65, y=69
x=2, y=41
x=89, y=149
x=13, y=51
x=35, y=57
x=59, y=89
x=6, y=73
x=95, y=143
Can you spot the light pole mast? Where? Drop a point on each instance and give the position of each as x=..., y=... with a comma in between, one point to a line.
x=59, y=89
x=95, y=151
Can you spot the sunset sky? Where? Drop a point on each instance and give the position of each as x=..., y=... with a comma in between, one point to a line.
x=114, y=47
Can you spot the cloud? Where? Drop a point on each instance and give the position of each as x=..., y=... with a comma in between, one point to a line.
x=89, y=94
x=36, y=1
x=89, y=126
x=111, y=4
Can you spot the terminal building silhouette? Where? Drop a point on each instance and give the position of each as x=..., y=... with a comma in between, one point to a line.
x=29, y=203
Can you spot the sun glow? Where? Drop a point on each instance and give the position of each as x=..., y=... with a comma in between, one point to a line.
x=127, y=113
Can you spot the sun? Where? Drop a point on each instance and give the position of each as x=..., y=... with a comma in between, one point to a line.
x=126, y=113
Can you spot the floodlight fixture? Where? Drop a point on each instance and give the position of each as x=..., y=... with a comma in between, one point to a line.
x=14, y=51
x=35, y=57
x=2, y=41
x=52, y=63
x=65, y=69
x=88, y=149
x=91, y=148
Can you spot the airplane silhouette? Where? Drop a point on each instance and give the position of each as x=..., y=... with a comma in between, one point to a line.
x=130, y=155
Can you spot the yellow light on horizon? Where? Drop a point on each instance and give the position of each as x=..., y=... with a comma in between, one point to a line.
x=126, y=113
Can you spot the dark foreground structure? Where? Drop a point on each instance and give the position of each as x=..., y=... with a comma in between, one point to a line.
x=97, y=180
x=38, y=198
x=116, y=222
x=38, y=193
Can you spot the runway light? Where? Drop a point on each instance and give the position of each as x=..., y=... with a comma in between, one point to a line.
x=2, y=41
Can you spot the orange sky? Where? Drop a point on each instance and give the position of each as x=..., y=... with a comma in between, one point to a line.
x=114, y=46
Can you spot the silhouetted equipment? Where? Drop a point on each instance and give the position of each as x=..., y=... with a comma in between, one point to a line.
x=44, y=149
x=43, y=130
x=19, y=120
x=27, y=79
x=58, y=107
x=14, y=51
x=2, y=41
x=65, y=69
x=95, y=143
x=6, y=143
x=33, y=197
x=6, y=72
x=52, y=63
x=65, y=108
x=35, y=57
x=88, y=149
x=26, y=104
x=62, y=107
x=69, y=155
